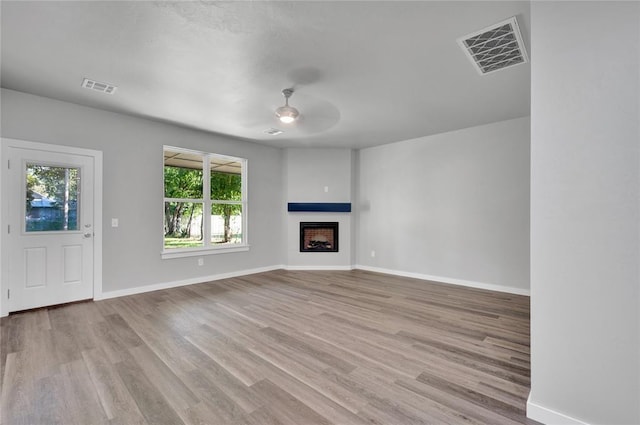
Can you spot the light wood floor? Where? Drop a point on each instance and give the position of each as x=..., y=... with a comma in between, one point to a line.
x=282, y=347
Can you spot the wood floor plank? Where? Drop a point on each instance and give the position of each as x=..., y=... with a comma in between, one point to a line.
x=312, y=378
x=79, y=394
x=216, y=405
x=275, y=348
x=262, y=416
x=466, y=393
x=15, y=397
x=172, y=348
x=230, y=385
x=149, y=399
x=285, y=407
x=115, y=399
x=325, y=357
x=383, y=395
x=51, y=406
x=178, y=395
x=311, y=397
x=237, y=360
x=483, y=414
x=108, y=340
x=501, y=370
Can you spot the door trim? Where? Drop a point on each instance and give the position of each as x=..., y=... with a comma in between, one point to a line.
x=4, y=211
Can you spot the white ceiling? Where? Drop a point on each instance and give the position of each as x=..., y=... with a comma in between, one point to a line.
x=365, y=73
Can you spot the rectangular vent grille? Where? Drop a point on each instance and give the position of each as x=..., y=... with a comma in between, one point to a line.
x=496, y=47
x=98, y=86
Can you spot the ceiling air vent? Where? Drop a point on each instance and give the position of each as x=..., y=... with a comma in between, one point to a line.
x=98, y=86
x=273, y=131
x=496, y=47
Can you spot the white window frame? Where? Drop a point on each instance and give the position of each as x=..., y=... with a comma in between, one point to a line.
x=208, y=248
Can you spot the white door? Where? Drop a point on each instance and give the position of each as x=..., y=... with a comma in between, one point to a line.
x=50, y=234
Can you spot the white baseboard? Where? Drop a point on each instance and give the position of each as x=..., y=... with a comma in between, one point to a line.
x=310, y=268
x=548, y=416
x=202, y=279
x=468, y=283
x=175, y=284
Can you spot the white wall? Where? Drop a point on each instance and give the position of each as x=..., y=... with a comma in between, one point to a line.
x=585, y=246
x=307, y=173
x=133, y=187
x=454, y=207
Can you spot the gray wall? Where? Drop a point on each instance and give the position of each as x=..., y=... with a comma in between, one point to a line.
x=585, y=217
x=133, y=187
x=452, y=206
x=307, y=173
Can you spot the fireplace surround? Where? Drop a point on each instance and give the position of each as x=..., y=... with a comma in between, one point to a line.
x=318, y=236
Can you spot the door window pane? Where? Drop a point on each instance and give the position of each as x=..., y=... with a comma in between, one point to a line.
x=52, y=198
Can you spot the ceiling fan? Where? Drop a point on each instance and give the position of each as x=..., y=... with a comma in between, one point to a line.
x=287, y=114
x=310, y=115
x=317, y=114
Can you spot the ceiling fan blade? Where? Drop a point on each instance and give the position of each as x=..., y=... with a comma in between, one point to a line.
x=318, y=116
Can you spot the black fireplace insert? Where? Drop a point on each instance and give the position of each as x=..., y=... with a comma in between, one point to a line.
x=318, y=236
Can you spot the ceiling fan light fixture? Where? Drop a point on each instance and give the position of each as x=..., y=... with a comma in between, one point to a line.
x=287, y=114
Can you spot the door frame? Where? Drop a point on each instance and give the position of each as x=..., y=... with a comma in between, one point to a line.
x=4, y=211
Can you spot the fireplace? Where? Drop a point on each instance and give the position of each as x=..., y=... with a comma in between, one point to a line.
x=319, y=237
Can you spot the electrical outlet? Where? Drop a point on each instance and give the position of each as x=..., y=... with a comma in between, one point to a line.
x=201, y=261
x=373, y=253
x=326, y=189
x=114, y=222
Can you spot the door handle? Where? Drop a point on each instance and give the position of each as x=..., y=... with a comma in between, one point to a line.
x=88, y=235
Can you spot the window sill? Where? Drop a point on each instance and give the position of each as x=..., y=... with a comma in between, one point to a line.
x=195, y=252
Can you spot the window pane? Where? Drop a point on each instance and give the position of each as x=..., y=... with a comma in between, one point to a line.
x=226, y=224
x=182, y=175
x=52, y=198
x=182, y=225
x=226, y=180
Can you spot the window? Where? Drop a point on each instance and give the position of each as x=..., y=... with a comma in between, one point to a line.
x=205, y=203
